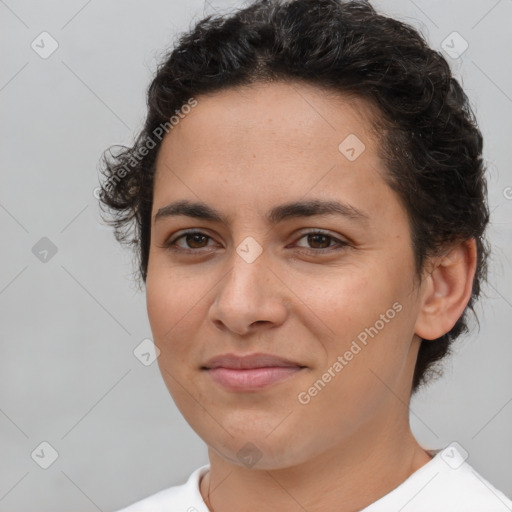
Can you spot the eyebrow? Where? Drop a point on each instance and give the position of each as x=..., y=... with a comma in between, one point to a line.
x=297, y=209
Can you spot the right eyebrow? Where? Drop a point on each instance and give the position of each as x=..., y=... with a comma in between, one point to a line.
x=197, y=210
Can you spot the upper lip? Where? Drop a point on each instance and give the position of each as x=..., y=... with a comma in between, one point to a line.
x=248, y=361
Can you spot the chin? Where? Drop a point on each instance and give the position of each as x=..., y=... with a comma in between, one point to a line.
x=256, y=446
x=258, y=454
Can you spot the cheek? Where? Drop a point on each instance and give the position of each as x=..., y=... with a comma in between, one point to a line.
x=170, y=313
x=171, y=305
x=363, y=315
x=172, y=291
x=346, y=301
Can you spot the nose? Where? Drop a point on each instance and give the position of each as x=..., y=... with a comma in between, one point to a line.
x=250, y=297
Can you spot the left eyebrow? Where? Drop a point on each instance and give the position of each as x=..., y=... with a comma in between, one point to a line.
x=297, y=209
x=316, y=207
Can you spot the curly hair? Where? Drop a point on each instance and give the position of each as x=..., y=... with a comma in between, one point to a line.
x=430, y=141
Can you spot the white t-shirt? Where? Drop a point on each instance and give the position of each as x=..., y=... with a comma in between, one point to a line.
x=445, y=484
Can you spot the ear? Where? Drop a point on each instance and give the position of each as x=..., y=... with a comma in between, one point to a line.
x=446, y=290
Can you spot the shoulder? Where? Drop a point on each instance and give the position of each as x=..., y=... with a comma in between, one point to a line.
x=445, y=484
x=182, y=498
x=468, y=490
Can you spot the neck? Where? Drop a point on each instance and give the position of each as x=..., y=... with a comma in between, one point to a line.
x=346, y=478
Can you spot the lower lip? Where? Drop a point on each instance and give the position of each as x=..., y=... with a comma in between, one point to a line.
x=251, y=379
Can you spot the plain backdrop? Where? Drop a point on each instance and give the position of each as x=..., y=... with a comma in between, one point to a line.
x=71, y=315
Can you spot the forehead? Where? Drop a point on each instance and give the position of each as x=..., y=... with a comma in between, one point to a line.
x=268, y=142
x=300, y=114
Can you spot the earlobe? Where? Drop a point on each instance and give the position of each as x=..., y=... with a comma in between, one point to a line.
x=447, y=290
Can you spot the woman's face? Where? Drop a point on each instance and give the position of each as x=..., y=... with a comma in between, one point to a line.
x=327, y=295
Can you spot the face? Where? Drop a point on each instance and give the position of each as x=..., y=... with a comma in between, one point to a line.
x=298, y=256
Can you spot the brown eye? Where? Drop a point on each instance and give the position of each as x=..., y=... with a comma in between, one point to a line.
x=319, y=239
x=319, y=242
x=194, y=240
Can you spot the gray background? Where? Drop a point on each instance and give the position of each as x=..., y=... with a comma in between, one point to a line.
x=68, y=375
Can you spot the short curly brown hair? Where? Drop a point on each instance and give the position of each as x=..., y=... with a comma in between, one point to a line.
x=431, y=144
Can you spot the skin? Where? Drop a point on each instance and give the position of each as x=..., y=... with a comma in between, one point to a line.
x=244, y=151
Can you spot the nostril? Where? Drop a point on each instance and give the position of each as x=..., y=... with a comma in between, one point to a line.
x=259, y=322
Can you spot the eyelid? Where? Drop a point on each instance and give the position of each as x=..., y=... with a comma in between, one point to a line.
x=320, y=231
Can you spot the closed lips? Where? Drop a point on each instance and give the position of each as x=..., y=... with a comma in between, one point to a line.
x=248, y=362
x=250, y=373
